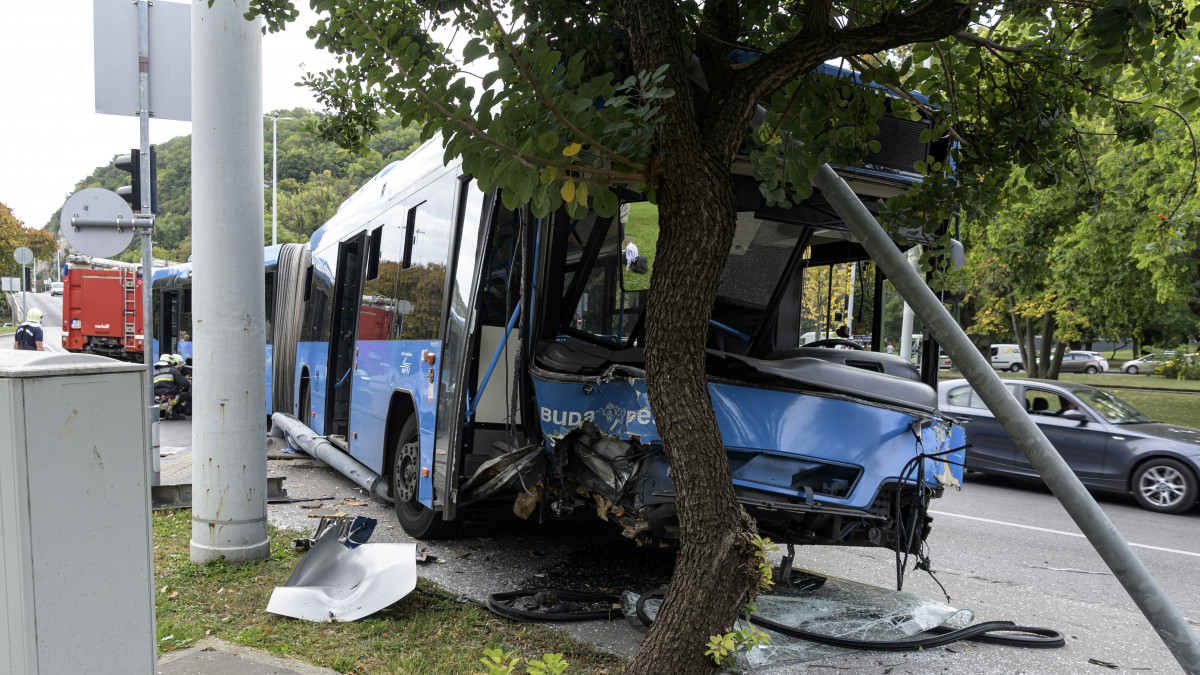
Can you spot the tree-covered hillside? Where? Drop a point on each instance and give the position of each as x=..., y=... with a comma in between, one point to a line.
x=315, y=176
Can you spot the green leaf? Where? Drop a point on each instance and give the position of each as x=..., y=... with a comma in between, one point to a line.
x=548, y=141
x=474, y=49
x=604, y=202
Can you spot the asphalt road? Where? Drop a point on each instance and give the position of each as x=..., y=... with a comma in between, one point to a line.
x=1003, y=549
x=51, y=307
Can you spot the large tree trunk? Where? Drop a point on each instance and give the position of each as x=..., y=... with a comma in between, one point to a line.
x=714, y=571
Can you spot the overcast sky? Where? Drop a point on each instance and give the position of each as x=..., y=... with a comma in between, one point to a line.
x=51, y=136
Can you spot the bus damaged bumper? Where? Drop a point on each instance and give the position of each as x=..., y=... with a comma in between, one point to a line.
x=812, y=467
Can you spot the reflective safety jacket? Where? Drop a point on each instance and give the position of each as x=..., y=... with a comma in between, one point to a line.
x=168, y=379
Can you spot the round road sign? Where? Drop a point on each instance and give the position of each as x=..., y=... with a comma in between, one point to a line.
x=101, y=242
x=23, y=256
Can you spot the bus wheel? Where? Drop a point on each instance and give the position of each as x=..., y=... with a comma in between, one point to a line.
x=417, y=520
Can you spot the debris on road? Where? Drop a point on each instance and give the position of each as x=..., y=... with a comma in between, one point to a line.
x=344, y=579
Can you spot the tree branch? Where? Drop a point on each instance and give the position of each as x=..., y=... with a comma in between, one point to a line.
x=967, y=36
x=899, y=91
x=530, y=162
x=537, y=89
x=933, y=20
x=1195, y=154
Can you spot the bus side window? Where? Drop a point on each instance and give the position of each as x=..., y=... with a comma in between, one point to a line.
x=269, y=307
x=421, y=286
x=382, y=312
x=496, y=300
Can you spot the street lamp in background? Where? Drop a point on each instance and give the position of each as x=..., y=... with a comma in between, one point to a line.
x=274, y=165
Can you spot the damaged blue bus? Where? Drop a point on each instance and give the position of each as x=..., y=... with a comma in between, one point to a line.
x=466, y=356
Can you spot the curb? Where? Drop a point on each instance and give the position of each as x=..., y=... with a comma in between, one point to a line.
x=257, y=655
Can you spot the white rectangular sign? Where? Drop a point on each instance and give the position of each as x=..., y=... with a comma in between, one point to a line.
x=115, y=25
x=10, y=284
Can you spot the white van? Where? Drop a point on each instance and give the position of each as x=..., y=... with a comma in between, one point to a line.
x=56, y=288
x=1007, y=357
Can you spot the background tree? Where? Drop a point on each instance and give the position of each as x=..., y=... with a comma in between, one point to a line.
x=13, y=235
x=1104, y=252
x=680, y=83
x=315, y=177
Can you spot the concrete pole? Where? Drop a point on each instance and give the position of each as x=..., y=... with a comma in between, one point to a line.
x=906, y=320
x=1092, y=521
x=229, y=455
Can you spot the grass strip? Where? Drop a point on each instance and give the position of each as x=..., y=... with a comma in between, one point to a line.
x=422, y=633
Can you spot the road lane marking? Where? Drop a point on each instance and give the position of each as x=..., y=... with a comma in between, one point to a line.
x=1068, y=534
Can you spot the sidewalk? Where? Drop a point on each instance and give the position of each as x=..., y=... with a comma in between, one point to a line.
x=211, y=656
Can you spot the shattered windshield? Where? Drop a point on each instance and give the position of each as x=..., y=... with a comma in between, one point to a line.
x=757, y=259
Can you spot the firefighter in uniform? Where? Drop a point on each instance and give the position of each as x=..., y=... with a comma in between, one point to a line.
x=29, y=333
x=169, y=381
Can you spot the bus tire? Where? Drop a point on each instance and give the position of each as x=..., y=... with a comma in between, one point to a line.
x=419, y=521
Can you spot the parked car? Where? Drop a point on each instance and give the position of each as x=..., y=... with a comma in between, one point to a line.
x=1107, y=443
x=1147, y=364
x=1007, y=357
x=56, y=288
x=1083, y=362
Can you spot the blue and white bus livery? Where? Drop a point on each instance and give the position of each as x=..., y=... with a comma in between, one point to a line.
x=472, y=355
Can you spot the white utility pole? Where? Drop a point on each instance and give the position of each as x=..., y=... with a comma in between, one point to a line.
x=274, y=174
x=229, y=458
x=906, y=322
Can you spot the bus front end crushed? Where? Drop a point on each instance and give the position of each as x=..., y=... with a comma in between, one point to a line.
x=820, y=452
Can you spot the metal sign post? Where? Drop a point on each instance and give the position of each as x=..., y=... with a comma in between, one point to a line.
x=23, y=256
x=146, y=232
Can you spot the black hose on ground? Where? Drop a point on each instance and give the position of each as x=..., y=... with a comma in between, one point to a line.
x=559, y=605
x=1034, y=638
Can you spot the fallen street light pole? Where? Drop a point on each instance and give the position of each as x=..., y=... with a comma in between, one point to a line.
x=1164, y=616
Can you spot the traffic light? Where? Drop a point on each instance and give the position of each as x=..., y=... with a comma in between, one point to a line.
x=28, y=280
x=132, y=193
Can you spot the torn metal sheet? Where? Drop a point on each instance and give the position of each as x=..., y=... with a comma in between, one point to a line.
x=836, y=607
x=336, y=583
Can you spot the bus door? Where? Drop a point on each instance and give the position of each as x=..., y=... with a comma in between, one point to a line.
x=167, y=313
x=347, y=298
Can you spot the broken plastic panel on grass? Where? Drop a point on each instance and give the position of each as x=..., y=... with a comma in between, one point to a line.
x=344, y=579
x=834, y=607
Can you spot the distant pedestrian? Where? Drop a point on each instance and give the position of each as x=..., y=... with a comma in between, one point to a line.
x=890, y=348
x=631, y=252
x=29, y=333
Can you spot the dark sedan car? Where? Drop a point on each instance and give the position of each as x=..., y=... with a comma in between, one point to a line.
x=1106, y=442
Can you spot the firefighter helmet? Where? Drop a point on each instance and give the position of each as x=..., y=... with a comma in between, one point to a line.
x=34, y=315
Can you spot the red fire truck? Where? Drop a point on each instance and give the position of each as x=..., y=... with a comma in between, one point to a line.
x=102, y=312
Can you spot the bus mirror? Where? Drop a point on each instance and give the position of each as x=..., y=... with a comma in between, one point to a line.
x=639, y=240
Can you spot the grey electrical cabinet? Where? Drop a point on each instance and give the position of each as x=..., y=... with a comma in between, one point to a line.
x=76, y=552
